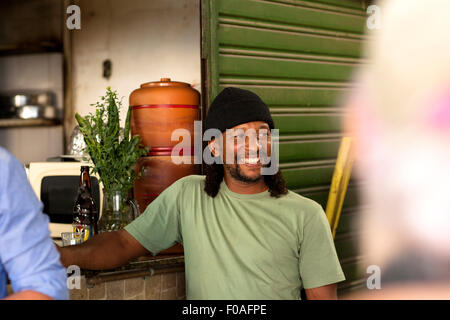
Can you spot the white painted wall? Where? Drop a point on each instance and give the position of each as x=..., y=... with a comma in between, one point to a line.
x=33, y=144
x=145, y=39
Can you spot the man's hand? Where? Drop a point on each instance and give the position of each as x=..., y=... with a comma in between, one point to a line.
x=104, y=251
x=328, y=292
x=28, y=295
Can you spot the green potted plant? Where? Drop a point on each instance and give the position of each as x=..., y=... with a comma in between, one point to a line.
x=113, y=154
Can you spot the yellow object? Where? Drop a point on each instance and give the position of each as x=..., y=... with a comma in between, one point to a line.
x=339, y=183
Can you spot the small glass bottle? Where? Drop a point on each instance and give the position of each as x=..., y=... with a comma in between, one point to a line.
x=85, y=213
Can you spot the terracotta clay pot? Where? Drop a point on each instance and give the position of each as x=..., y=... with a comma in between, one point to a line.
x=160, y=172
x=158, y=108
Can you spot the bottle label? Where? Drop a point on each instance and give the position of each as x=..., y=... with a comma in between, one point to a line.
x=82, y=232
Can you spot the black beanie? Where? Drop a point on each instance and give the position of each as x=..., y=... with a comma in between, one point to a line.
x=234, y=106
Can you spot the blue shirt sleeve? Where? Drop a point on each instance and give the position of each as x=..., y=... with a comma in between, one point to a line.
x=27, y=252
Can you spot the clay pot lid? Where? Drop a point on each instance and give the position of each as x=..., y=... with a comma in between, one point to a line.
x=165, y=82
x=164, y=91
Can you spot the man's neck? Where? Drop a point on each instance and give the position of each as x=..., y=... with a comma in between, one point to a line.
x=244, y=187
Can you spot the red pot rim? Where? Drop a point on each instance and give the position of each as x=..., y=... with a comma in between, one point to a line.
x=167, y=151
x=146, y=106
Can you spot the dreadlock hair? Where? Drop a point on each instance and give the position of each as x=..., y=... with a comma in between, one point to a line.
x=214, y=176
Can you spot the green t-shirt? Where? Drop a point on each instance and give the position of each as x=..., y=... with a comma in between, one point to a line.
x=241, y=246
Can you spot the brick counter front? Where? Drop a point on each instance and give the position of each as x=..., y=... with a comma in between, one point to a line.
x=150, y=278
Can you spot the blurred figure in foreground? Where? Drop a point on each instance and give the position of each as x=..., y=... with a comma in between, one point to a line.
x=27, y=253
x=400, y=115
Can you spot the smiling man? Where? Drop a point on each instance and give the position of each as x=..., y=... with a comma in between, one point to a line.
x=244, y=234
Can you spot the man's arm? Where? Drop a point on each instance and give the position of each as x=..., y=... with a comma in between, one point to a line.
x=327, y=292
x=157, y=228
x=104, y=251
x=320, y=269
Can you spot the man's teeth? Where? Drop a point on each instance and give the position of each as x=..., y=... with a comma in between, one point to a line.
x=251, y=160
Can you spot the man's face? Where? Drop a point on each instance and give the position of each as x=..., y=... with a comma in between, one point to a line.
x=244, y=148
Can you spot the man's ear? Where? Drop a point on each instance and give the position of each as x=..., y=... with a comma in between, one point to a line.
x=214, y=148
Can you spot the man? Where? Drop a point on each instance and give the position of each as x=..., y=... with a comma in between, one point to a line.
x=245, y=235
x=27, y=254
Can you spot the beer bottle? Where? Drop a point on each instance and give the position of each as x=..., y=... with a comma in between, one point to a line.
x=85, y=213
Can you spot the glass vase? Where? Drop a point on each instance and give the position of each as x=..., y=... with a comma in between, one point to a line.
x=118, y=210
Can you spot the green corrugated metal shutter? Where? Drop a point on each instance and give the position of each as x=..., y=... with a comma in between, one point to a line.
x=298, y=56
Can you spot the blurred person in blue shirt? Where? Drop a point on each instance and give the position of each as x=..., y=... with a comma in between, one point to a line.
x=27, y=253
